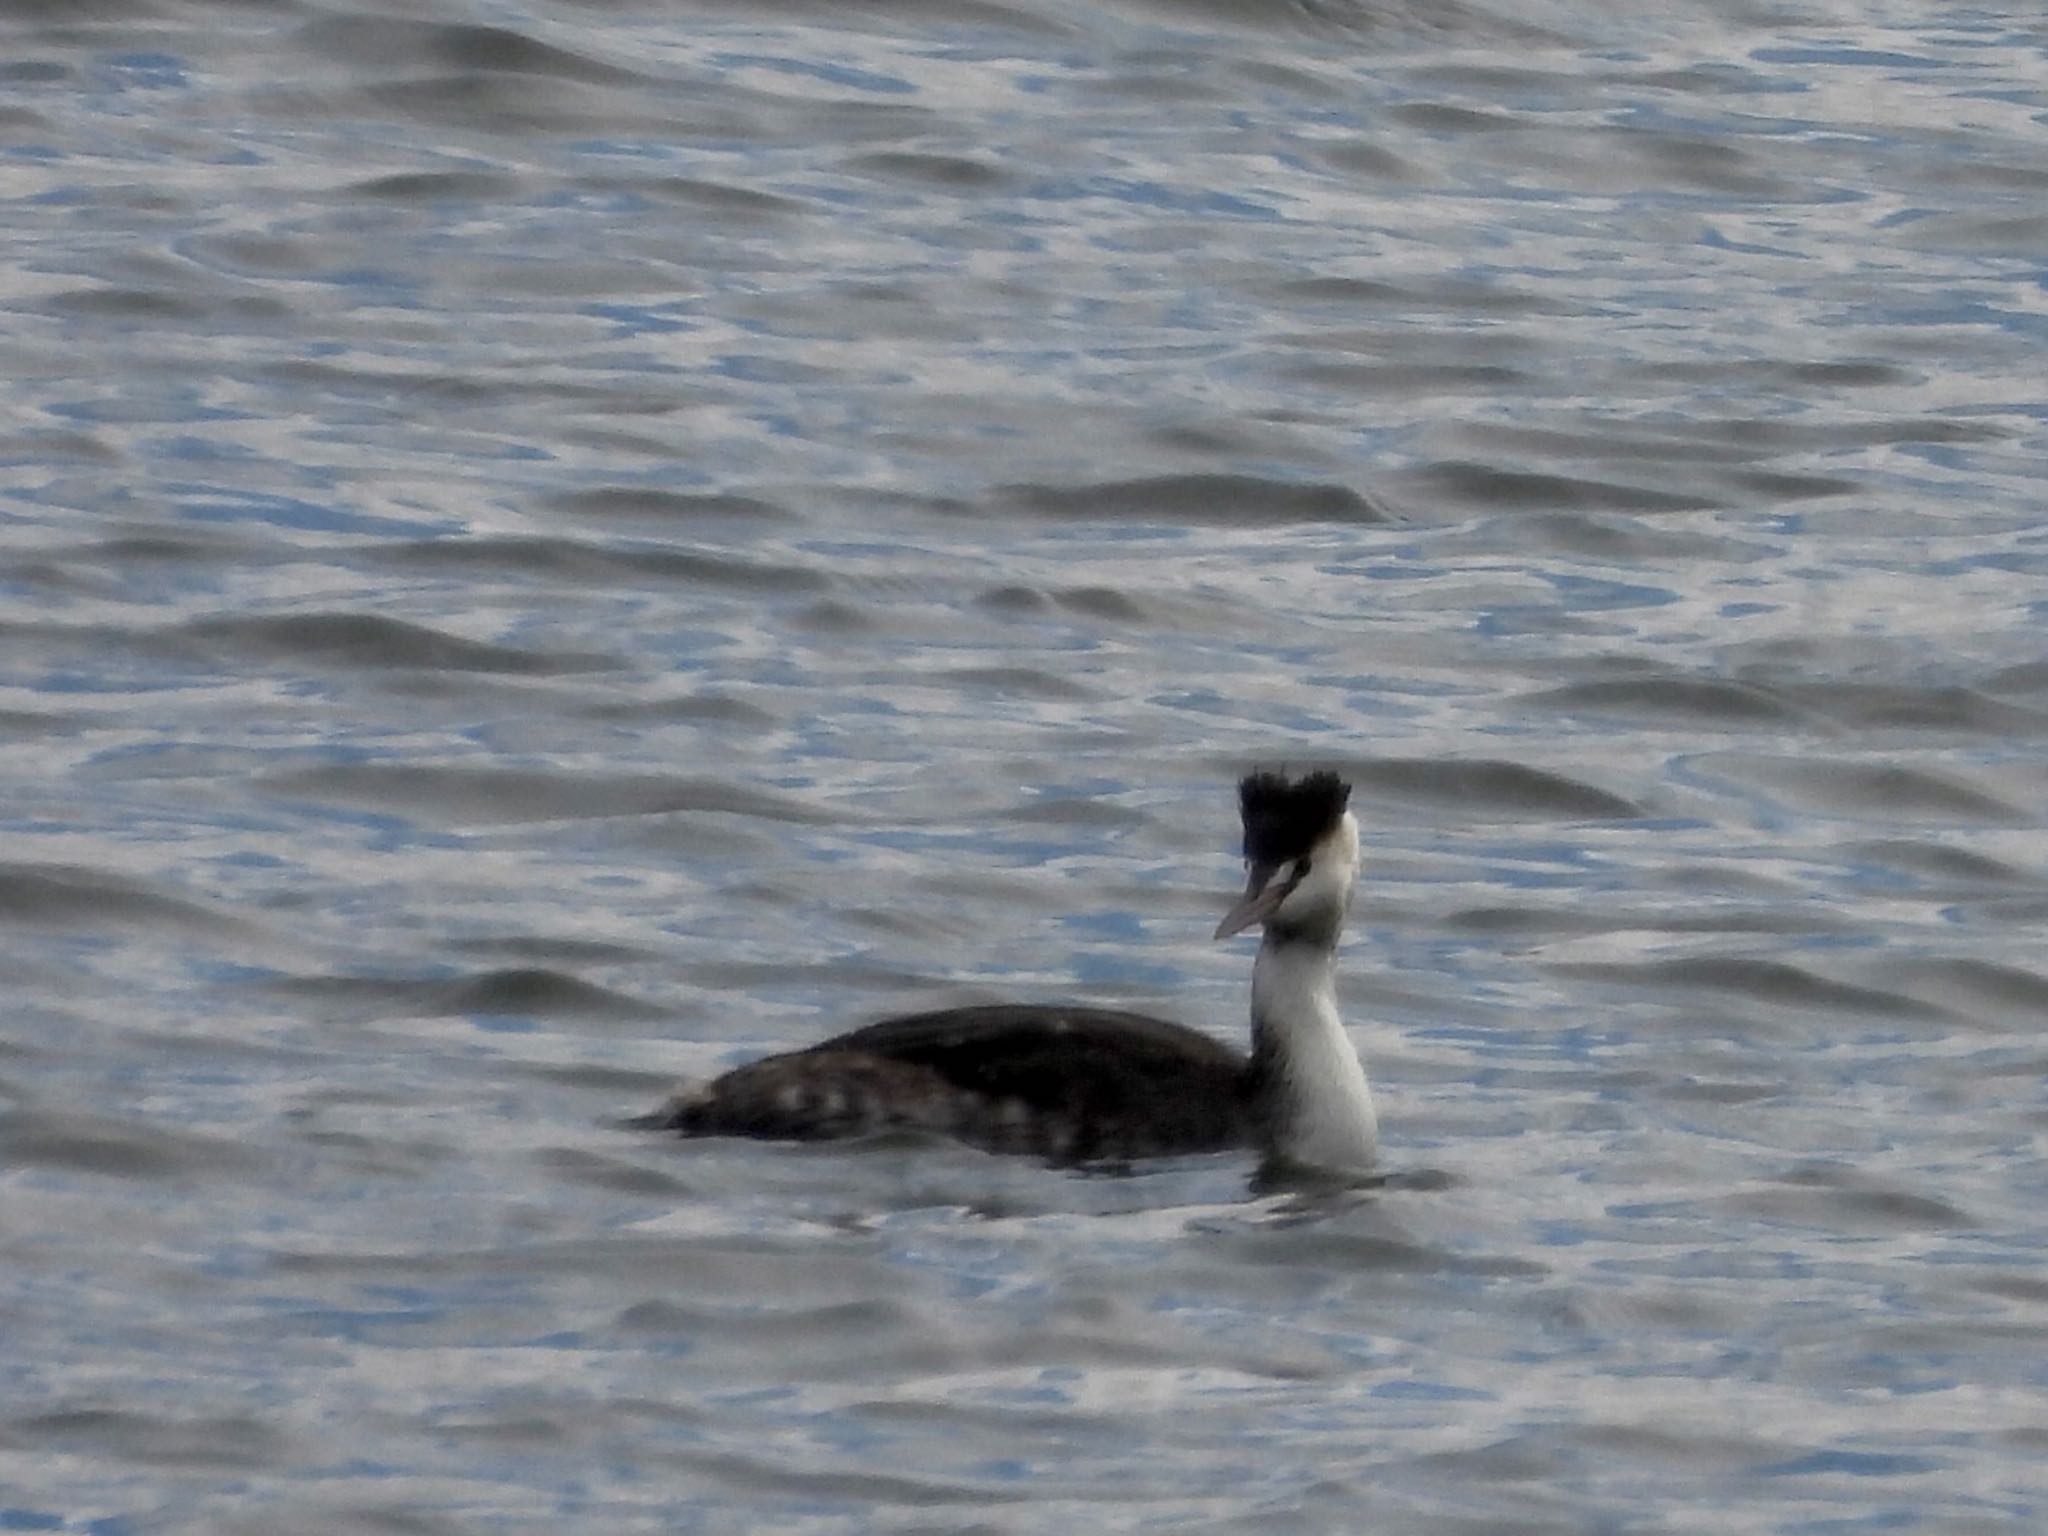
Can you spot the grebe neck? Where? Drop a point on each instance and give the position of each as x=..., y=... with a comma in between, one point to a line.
x=1309, y=1087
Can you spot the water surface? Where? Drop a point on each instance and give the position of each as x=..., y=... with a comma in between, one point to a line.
x=552, y=547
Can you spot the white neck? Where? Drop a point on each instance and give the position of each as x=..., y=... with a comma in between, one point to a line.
x=1311, y=1084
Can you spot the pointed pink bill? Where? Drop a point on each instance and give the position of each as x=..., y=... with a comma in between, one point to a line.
x=1265, y=890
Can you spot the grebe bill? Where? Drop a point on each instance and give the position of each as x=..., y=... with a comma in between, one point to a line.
x=1078, y=1084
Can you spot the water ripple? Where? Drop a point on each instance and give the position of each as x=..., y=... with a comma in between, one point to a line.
x=556, y=548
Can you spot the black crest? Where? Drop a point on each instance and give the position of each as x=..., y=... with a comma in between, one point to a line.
x=1285, y=818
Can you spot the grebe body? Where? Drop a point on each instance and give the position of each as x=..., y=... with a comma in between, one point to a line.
x=1081, y=1084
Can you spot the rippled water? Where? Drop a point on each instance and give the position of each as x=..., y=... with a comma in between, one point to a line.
x=550, y=547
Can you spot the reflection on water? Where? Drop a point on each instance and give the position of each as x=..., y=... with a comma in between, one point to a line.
x=553, y=551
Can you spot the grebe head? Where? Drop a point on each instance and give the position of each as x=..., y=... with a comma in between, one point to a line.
x=1301, y=851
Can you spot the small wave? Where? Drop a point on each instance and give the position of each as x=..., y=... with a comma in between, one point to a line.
x=482, y=796
x=1492, y=788
x=1843, y=787
x=1776, y=982
x=651, y=504
x=1484, y=485
x=87, y=1142
x=524, y=991
x=600, y=565
x=1224, y=500
x=375, y=641
x=1708, y=701
x=388, y=42
x=66, y=896
x=116, y=1436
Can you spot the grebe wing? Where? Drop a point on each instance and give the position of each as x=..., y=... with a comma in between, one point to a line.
x=953, y=1039
x=1100, y=1065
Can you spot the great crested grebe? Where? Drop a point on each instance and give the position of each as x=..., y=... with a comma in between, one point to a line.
x=1078, y=1084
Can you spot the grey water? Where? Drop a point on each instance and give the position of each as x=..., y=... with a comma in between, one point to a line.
x=552, y=547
